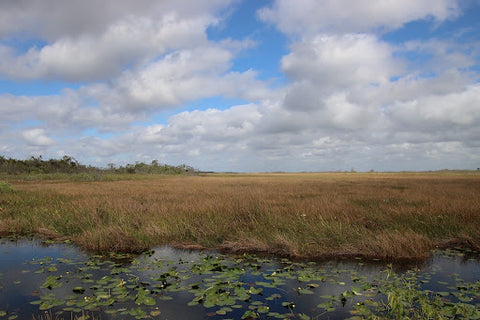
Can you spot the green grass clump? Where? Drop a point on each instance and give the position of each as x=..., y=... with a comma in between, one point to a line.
x=6, y=187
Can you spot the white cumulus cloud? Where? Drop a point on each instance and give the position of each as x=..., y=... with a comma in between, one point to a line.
x=88, y=40
x=37, y=137
x=307, y=17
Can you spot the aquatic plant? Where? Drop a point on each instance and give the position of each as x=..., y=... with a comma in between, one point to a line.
x=247, y=287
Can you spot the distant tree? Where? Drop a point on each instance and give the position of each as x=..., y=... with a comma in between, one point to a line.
x=68, y=164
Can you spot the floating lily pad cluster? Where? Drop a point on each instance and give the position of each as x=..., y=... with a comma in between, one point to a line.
x=246, y=287
x=405, y=299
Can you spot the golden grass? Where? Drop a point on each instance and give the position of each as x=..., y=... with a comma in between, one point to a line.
x=384, y=215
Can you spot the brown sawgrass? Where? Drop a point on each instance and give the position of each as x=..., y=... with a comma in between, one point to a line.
x=382, y=215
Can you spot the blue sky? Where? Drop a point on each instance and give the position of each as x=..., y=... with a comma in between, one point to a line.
x=277, y=85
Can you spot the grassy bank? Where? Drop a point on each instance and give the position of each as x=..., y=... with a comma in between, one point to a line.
x=303, y=215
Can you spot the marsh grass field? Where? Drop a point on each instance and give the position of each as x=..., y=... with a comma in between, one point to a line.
x=303, y=215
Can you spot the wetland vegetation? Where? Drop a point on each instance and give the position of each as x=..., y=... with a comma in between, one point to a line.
x=313, y=219
x=314, y=215
x=58, y=281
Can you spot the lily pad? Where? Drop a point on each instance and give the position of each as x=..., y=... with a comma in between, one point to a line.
x=78, y=290
x=52, y=282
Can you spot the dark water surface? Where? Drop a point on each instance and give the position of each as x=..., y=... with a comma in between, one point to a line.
x=58, y=280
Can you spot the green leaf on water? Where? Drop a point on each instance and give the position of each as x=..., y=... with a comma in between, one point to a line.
x=138, y=313
x=165, y=298
x=356, y=290
x=192, y=303
x=111, y=311
x=327, y=306
x=71, y=303
x=45, y=305
x=348, y=294
x=143, y=297
x=253, y=290
x=102, y=295
x=263, y=309
x=155, y=313
x=304, y=291
x=149, y=301
x=250, y=314
x=78, y=290
x=465, y=298
x=265, y=284
x=273, y=297
x=443, y=294
x=104, y=280
x=276, y=315
x=221, y=312
x=52, y=282
x=303, y=316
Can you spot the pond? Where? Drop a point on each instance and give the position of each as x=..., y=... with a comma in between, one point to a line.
x=59, y=281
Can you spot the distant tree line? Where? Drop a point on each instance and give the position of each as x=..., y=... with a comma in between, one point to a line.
x=39, y=165
x=153, y=167
x=67, y=164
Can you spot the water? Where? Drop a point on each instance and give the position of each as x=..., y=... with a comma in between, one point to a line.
x=59, y=280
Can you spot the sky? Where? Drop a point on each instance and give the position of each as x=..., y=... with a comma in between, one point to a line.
x=243, y=85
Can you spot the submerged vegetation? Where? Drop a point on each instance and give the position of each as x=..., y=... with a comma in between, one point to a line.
x=377, y=215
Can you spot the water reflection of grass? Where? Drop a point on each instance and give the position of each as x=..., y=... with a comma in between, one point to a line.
x=300, y=215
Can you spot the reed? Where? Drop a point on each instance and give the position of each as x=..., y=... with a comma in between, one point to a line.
x=381, y=215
